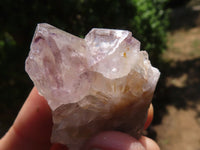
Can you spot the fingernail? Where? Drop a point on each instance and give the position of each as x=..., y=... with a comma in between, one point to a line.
x=136, y=146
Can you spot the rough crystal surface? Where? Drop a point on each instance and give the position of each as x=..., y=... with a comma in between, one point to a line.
x=102, y=82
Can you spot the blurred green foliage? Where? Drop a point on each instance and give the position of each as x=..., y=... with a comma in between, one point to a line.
x=147, y=19
x=149, y=24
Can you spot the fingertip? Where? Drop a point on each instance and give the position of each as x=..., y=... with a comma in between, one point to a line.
x=149, y=117
x=149, y=144
x=113, y=140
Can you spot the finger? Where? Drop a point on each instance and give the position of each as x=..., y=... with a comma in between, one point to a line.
x=32, y=127
x=149, y=117
x=113, y=140
x=149, y=144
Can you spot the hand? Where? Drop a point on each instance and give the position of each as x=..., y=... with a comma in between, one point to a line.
x=32, y=130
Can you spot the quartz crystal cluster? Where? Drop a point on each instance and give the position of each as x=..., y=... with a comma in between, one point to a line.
x=102, y=82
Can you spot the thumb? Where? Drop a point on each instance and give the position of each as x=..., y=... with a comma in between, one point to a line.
x=113, y=140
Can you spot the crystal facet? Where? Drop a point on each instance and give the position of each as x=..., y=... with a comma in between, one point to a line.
x=102, y=82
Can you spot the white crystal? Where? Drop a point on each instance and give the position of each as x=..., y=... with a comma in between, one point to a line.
x=102, y=82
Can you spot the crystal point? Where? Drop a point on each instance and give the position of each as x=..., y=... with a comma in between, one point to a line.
x=102, y=82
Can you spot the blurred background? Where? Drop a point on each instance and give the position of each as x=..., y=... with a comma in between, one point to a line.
x=168, y=29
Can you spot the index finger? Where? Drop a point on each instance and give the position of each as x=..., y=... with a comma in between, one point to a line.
x=32, y=127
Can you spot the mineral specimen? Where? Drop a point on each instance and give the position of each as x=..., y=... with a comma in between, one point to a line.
x=102, y=82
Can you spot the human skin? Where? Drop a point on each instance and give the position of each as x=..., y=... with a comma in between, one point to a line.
x=31, y=130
